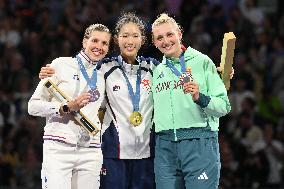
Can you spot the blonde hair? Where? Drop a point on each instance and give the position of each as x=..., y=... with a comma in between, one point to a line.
x=95, y=27
x=165, y=18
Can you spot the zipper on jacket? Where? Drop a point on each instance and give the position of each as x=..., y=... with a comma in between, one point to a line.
x=173, y=117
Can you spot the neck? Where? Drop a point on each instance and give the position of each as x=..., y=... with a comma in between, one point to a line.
x=87, y=57
x=177, y=55
x=129, y=60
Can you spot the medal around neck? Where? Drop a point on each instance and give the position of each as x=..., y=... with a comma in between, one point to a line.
x=91, y=81
x=186, y=77
x=135, y=119
x=95, y=94
x=174, y=69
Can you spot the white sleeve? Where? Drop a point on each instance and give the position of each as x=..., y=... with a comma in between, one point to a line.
x=40, y=103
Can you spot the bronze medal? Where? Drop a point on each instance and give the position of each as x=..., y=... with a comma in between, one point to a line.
x=135, y=119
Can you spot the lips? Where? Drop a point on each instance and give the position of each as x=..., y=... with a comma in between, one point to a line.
x=168, y=47
x=129, y=48
x=96, y=52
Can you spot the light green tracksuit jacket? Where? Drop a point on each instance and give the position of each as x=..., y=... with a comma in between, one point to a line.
x=175, y=110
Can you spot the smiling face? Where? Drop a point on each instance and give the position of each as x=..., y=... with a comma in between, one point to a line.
x=129, y=40
x=167, y=38
x=96, y=45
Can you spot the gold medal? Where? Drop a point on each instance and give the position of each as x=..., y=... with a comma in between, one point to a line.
x=135, y=119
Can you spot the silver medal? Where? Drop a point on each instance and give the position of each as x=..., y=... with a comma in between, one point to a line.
x=95, y=94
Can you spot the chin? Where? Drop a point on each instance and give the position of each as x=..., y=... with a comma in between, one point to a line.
x=97, y=58
x=168, y=54
x=130, y=54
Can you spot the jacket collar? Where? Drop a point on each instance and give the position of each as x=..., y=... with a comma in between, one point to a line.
x=86, y=59
x=189, y=54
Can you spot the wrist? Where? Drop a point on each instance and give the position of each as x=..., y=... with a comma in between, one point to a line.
x=203, y=100
x=71, y=105
x=64, y=109
x=196, y=97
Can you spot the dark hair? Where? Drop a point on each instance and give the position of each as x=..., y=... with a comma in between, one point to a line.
x=129, y=17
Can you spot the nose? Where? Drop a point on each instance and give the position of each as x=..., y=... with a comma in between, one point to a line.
x=166, y=40
x=130, y=40
x=99, y=46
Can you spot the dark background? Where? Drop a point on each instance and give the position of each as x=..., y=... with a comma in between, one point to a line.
x=34, y=32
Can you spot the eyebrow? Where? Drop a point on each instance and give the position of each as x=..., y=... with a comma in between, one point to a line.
x=131, y=33
x=169, y=32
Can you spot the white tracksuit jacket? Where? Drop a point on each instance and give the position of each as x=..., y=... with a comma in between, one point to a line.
x=121, y=139
x=71, y=81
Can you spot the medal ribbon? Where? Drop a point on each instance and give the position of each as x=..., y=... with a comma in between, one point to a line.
x=135, y=98
x=91, y=81
x=174, y=69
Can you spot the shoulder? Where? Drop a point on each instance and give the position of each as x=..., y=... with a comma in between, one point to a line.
x=148, y=62
x=194, y=55
x=144, y=62
x=61, y=61
x=107, y=63
x=151, y=60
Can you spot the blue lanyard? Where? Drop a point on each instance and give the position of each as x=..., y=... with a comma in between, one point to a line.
x=174, y=69
x=135, y=98
x=92, y=81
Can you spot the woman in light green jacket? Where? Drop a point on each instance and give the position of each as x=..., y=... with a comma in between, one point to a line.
x=189, y=98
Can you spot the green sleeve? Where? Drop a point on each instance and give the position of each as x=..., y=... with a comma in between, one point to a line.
x=218, y=104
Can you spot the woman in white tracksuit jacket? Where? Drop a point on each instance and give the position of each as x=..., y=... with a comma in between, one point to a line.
x=72, y=158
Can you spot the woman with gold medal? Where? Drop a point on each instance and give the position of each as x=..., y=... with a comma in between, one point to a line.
x=128, y=139
x=128, y=121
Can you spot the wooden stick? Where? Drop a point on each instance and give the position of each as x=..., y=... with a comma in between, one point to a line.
x=227, y=56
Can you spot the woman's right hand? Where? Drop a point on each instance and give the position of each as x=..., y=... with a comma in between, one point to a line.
x=79, y=102
x=46, y=71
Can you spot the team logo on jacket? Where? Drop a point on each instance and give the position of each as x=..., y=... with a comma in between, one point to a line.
x=146, y=84
x=76, y=77
x=161, y=75
x=116, y=88
x=103, y=171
